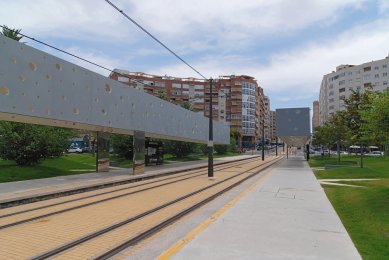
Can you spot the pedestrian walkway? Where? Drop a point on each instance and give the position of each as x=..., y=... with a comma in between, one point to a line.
x=12, y=191
x=288, y=216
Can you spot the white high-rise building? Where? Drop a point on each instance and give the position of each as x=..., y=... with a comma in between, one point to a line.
x=339, y=84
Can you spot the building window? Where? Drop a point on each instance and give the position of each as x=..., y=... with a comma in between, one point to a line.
x=385, y=74
x=367, y=69
x=176, y=85
x=331, y=86
x=385, y=83
x=123, y=79
x=376, y=84
x=366, y=77
x=159, y=84
x=376, y=75
x=331, y=107
x=350, y=73
x=376, y=67
x=358, y=79
x=367, y=85
x=342, y=82
x=342, y=97
x=350, y=80
x=331, y=93
x=330, y=100
x=384, y=66
x=350, y=88
x=342, y=90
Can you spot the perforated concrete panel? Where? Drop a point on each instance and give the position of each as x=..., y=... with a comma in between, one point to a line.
x=293, y=125
x=39, y=88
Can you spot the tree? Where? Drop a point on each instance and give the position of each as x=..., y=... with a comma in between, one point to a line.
x=179, y=149
x=355, y=104
x=324, y=135
x=235, y=137
x=11, y=33
x=221, y=148
x=376, y=120
x=122, y=145
x=28, y=144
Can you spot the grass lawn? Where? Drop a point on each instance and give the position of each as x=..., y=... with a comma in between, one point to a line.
x=71, y=164
x=363, y=211
x=120, y=161
x=68, y=164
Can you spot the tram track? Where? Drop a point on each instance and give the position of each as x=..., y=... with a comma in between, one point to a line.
x=56, y=195
x=178, y=177
x=154, y=229
x=46, y=235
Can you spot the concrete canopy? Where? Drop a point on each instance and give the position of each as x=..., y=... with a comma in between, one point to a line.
x=293, y=126
x=39, y=88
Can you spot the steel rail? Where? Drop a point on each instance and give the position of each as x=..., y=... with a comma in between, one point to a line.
x=103, y=231
x=15, y=203
x=106, y=199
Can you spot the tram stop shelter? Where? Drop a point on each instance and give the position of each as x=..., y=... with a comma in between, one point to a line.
x=293, y=126
x=39, y=88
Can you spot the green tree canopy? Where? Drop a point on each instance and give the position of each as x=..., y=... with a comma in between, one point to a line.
x=122, y=145
x=28, y=144
x=375, y=119
x=11, y=33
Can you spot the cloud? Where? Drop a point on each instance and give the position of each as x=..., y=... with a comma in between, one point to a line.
x=296, y=74
x=383, y=6
x=85, y=20
x=211, y=35
x=185, y=25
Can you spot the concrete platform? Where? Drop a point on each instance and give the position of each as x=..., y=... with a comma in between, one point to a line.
x=288, y=216
x=11, y=191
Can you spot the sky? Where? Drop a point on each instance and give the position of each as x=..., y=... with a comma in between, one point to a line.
x=287, y=45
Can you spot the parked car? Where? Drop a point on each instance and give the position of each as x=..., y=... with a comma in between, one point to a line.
x=74, y=150
x=375, y=153
x=85, y=149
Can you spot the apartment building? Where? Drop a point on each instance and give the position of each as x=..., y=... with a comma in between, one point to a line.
x=339, y=84
x=236, y=100
x=315, y=115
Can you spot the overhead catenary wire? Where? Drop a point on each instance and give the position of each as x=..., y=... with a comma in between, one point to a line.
x=155, y=38
x=76, y=56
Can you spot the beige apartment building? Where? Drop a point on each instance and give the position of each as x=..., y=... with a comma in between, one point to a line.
x=315, y=115
x=237, y=100
x=339, y=84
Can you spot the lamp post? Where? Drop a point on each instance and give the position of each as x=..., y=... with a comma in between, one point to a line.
x=276, y=146
x=210, y=136
x=263, y=138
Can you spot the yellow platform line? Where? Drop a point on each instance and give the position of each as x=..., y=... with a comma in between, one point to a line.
x=191, y=235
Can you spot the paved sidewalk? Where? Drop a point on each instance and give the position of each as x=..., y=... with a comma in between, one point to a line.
x=286, y=217
x=25, y=189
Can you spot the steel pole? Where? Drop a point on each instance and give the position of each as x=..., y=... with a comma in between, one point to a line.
x=210, y=138
x=263, y=139
x=277, y=147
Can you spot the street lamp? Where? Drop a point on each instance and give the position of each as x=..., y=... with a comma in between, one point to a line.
x=210, y=136
x=263, y=138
